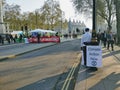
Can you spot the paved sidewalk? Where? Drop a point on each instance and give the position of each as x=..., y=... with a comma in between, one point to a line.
x=24, y=48
x=105, y=78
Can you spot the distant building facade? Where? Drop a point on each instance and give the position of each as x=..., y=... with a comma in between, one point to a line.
x=75, y=27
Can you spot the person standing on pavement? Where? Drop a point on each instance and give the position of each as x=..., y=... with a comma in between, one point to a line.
x=38, y=37
x=0, y=39
x=98, y=37
x=11, y=38
x=20, y=38
x=8, y=38
x=15, y=38
x=104, y=38
x=110, y=40
x=86, y=38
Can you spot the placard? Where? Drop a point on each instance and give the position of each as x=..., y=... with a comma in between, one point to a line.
x=94, y=56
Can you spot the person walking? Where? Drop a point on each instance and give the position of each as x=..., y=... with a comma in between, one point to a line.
x=86, y=38
x=99, y=38
x=104, y=38
x=110, y=40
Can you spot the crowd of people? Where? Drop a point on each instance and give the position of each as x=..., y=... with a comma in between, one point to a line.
x=10, y=38
x=107, y=38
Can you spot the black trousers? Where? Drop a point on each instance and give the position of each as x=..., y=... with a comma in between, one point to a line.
x=110, y=42
x=85, y=55
x=104, y=42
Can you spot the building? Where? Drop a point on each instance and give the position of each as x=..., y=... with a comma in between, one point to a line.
x=75, y=27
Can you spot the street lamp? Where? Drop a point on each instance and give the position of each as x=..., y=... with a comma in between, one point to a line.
x=94, y=22
x=61, y=22
x=1, y=11
x=36, y=15
x=2, y=26
x=62, y=14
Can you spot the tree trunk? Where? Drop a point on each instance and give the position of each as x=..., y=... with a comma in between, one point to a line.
x=109, y=25
x=117, y=3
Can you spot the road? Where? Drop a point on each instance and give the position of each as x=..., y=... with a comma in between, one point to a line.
x=44, y=69
x=6, y=48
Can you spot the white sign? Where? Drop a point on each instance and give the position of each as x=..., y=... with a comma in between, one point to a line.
x=94, y=56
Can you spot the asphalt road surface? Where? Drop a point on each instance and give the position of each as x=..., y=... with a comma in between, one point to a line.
x=44, y=69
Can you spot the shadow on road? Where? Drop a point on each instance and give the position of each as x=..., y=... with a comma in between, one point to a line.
x=51, y=83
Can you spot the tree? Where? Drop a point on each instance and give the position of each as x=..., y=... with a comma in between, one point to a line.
x=11, y=15
x=31, y=20
x=51, y=13
x=46, y=17
x=117, y=4
x=105, y=9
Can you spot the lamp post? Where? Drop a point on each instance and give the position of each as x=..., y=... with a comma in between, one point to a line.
x=94, y=22
x=62, y=14
x=94, y=41
x=61, y=22
x=1, y=11
x=36, y=15
x=2, y=25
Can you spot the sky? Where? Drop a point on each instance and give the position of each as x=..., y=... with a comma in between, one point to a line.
x=66, y=6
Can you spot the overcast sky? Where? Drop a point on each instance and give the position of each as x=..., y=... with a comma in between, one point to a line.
x=66, y=6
